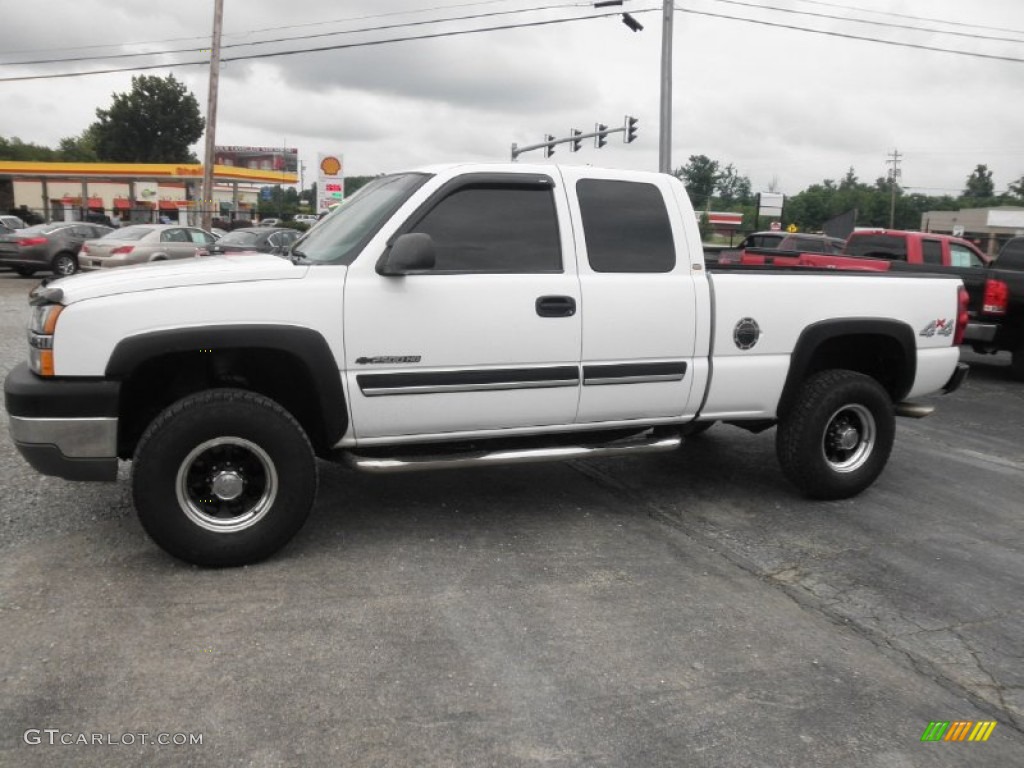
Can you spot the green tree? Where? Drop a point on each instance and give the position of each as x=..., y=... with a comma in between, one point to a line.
x=156, y=122
x=16, y=149
x=979, y=184
x=700, y=175
x=733, y=188
x=81, y=148
x=1016, y=188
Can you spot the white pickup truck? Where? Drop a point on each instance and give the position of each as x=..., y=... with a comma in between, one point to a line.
x=456, y=316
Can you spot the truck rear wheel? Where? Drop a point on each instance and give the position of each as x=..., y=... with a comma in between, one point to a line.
x=224, y=477
x=836, y=439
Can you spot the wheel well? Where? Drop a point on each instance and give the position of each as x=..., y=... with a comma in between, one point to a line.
x=162, y=380
x=881, y=356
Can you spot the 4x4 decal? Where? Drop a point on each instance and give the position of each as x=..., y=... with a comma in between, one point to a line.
x=938, y=327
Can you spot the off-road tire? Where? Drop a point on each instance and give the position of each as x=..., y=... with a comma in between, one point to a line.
x=224, y=477
x=835, y=439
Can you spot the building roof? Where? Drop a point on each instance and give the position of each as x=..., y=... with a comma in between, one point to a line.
x=140, y=171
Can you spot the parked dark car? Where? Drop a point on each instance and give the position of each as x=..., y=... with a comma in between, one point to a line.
x=47, y=247
x=276, y=240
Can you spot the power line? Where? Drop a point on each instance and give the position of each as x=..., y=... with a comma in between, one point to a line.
x=257, y=31
x=914, y=18
x=848, y=36
x=339, y=47
x=886, y=24
x=520, y=25
x=385, y=27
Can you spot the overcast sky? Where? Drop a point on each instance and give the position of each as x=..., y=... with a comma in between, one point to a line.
x=781, y=104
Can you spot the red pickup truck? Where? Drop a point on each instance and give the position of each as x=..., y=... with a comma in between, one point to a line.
x=995, y=288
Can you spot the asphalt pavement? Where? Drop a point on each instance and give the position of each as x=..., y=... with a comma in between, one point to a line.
x=687, y=609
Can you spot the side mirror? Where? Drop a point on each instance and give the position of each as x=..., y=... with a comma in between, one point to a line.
x=409, y=254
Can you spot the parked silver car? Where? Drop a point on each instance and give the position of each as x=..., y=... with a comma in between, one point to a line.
x=142, y=243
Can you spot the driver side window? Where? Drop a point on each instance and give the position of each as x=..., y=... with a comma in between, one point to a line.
x=495, y=228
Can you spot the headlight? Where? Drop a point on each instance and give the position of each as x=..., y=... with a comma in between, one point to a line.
x=41, y=326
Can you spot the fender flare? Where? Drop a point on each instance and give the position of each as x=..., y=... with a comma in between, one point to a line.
x=815, y=335
x=309, y=346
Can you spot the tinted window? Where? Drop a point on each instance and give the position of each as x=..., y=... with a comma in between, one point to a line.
x=931, y=251
x=1012, y=254
x=877, y=246
x=626, y=226
x=495, y=228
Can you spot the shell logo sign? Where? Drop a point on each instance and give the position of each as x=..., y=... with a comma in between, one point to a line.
x=330, y=180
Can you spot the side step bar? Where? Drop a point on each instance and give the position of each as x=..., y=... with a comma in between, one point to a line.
x=511, y=456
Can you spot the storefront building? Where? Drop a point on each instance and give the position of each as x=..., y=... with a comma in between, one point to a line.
x=132, y=192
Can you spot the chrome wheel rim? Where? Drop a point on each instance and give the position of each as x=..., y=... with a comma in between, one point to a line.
x=65, y=266
x=226, y=485
x=849, y=438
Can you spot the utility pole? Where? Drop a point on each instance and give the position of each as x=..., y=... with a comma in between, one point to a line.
x=211, y=115
x=665, y=135
x=895, y=173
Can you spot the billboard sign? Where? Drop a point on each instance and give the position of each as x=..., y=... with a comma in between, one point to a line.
x=330, y=181
x=284, y=159
x=770, y=204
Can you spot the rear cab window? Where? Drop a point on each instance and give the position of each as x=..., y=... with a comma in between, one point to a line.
x=626, y=226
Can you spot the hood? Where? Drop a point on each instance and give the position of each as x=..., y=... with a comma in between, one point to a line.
x=179, y=273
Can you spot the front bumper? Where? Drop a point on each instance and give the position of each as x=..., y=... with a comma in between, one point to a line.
x=64, y=427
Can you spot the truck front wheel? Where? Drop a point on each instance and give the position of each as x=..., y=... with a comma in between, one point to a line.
x=837, y=436
x=224, y=477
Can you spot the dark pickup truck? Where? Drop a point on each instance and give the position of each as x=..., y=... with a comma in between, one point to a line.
x=995, y=287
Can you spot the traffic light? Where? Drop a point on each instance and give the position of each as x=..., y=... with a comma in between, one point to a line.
x=575, y=146
x=548, y=149
x=632, y=23
x=602, y=135
x=630, y=136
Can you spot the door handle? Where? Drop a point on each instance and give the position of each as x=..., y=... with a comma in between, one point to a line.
x=556, y=306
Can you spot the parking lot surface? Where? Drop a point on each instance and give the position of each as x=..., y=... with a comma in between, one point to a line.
x=684, y=609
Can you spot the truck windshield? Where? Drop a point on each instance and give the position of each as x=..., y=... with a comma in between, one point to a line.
x=339, y=237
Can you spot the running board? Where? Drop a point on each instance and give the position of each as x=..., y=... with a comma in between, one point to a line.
x=511, y=456
x=914, y=410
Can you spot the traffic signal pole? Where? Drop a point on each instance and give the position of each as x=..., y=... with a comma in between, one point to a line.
x=575, y=137
x=665, y=133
